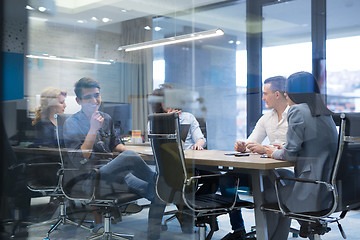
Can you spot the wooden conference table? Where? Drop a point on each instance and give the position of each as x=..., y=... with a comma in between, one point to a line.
x=214, y=160
x=217, y=160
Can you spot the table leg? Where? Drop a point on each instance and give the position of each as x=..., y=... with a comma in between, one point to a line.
x=258, y=194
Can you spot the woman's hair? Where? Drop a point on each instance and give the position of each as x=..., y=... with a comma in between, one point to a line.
x=159, y=92
x=47, y=98
x=302, y=87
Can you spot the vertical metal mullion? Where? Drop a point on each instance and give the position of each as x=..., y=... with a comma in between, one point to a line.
x=254, y=62
x=318, y=39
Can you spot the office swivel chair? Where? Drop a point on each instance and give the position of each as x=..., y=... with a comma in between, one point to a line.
x=343, y=186
x=20, y=180
x=104, y=201
x=175, y=213
x=176, y=183
x=14, y=194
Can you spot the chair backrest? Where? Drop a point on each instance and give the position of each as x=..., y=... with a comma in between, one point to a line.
x=11, y=182
x=346, y=173
x=60, y=121
x=202, y=125
x=73, y=179
x=169, y=156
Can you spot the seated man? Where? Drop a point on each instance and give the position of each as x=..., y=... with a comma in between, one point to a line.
x=92, y=131
x=272, y=124
x=194, y=140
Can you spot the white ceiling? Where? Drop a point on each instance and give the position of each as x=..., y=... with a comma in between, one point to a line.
x=282, y=22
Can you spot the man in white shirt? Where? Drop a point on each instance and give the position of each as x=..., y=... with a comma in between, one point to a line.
x=272, y=124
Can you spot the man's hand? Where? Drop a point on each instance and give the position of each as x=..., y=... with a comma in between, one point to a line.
x=256, y=147
x=199, y=145
x=240, y=146
x=96, y=121
x=171, y=110
x=120, y=148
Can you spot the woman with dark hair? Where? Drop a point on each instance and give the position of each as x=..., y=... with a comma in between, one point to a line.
x=311, y=144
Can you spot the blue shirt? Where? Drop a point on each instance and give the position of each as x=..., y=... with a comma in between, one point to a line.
x=194, y=133
x=77, y=127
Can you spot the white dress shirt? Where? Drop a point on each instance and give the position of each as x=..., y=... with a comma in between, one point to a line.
x=268, y=125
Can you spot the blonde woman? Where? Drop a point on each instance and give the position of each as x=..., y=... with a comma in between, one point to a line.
x=52, y=101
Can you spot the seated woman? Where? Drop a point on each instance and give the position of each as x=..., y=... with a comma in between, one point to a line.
x=311, y=144
x=52, y=101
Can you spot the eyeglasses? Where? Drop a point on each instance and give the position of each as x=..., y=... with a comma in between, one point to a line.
x=91, y=96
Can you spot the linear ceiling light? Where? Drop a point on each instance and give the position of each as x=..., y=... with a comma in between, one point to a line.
x=85, y=60
x=173, y=40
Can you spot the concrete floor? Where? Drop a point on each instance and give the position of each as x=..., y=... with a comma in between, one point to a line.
x=137, y=224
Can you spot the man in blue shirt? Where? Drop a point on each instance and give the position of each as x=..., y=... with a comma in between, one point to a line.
x=91, y=131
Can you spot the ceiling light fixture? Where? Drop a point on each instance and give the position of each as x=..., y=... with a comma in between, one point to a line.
x=173, y=40
x=42, y=9
x=105, y=19
x=80, y=60
x=29, y=7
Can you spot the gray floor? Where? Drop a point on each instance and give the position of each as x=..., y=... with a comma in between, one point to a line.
x=137, y=223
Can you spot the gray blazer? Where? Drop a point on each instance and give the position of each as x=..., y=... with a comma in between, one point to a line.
x=311, y=144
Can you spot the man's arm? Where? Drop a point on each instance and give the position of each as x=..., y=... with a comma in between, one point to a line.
x=96, y=122
x=196, y=134
x=253, y=143
x=199, y=145
x=120, y=148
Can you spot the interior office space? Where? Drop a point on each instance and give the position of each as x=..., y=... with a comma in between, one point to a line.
x=56, y=42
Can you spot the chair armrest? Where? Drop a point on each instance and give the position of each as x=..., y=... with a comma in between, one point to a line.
x=304, y=180
x=278, y=180
x=188, y=181
x=43, y=164
x=83, y=176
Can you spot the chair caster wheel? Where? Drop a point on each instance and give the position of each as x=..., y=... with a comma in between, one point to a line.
x=164, y=228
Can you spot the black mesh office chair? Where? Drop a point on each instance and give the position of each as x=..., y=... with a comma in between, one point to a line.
x=29, y=170
x=344, y=184
x=53, y=191
x=105, y=200
x=174, y=213
x=14, y=197
x=176, y=182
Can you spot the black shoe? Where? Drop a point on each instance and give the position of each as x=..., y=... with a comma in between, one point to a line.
x=304, y=230
x=237, y=235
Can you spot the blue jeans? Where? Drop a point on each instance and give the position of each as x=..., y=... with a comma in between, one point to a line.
x=130, y=172
x=227, y=189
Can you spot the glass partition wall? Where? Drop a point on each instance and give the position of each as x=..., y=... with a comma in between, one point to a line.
x=54, y=43
x=61, y=40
